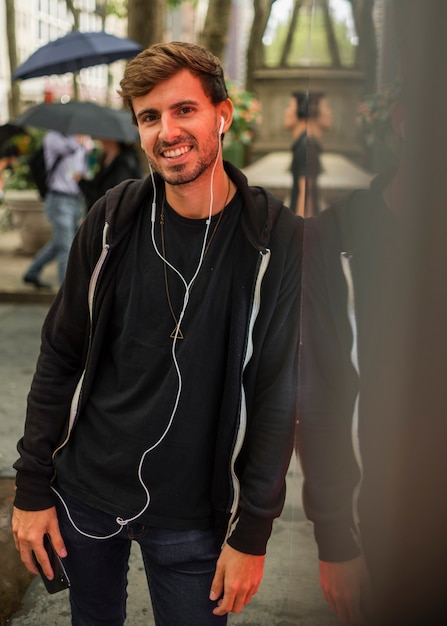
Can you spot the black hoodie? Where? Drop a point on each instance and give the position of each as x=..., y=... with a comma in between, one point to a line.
x=256, y=427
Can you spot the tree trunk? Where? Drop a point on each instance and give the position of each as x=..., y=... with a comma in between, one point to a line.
x=293, y=29
x=76, y=23
x=146, y=20
x=366, y=56
x=215, y=31
x=14, y=99
x=255, y=49
x=330, y=34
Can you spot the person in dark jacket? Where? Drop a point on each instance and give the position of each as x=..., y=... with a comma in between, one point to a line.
x=66, y=161
x=307, y=117
x=163, y=405
x=119, y=161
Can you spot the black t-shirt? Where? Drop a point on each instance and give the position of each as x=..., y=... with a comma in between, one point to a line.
x=136, y=386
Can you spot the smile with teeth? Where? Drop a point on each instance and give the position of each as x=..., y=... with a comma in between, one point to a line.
x=174, y=153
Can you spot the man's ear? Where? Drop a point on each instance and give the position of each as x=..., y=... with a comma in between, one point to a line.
x=226, y=112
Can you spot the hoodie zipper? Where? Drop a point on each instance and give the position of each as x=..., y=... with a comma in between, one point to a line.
x=74, y=406
x=262, y=268
x=345, y=259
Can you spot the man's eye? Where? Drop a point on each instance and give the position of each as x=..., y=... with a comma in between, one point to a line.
x=150, y=117
x=186, y=110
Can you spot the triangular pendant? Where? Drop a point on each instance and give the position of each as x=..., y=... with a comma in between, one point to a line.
x=176, y=333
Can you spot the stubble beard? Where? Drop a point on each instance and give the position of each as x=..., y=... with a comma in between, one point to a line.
x=182, y=174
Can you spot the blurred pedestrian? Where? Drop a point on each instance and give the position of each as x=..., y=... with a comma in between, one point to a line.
x=63, y=202
x=307, y=117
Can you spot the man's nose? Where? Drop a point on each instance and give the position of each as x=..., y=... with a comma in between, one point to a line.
x=169, y=128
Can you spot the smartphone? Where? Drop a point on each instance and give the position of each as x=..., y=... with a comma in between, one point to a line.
x=60, y=580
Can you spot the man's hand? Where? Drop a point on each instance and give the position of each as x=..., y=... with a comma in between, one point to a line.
x=237, y=579
x=28, y=528
x=346, y=588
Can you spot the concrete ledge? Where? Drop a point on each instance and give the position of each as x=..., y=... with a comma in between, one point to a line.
x=340, y=175
x=42, y=296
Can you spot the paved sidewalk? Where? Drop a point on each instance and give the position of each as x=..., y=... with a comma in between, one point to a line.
x=13, y=265
x=290, y=593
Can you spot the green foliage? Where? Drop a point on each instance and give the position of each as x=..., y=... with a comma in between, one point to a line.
x=20, y=177
x=174, y=4
x=374, y=115
x=246, y=114
x=117, y=7
x=310, y=43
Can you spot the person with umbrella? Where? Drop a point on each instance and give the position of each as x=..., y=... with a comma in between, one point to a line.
x=65, y=157
x=163, y=405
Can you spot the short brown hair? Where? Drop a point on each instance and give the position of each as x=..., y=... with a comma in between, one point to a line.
x=161, y=61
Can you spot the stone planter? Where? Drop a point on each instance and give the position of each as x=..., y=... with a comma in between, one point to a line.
x=28, y=215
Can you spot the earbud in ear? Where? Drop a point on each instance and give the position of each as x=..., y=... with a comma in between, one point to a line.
x=222, y=124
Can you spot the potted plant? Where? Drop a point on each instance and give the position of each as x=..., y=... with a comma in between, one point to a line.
x=246, y=115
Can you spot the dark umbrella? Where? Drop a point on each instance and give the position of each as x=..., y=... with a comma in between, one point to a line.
x=82, y=118
x=75, y=51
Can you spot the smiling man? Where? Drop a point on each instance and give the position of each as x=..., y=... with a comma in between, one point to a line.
x=162, y=409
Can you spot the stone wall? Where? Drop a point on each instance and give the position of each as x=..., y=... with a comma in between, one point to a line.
x=344, y=90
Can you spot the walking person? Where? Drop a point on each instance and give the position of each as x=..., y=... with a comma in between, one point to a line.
x=65, y=157
x=162, y=409
x=307, y=117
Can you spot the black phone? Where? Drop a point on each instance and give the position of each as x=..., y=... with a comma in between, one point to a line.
x=60, y=580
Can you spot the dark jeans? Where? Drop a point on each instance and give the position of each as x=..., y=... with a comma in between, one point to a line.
x=179, y=566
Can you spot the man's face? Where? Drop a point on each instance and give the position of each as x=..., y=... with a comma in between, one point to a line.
x=179, y=128
x=290, y=115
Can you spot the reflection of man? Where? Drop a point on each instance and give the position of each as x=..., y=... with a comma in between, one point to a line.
x=370, y=439
x=307, y=117
x=65, y=157
x=181, y=378
x=351, y=252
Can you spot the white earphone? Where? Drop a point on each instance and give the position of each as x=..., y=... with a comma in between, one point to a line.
x=188, y=286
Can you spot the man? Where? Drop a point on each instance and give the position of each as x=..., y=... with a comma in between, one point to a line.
x=181, y=387
x=307, y=117
x=65, y=157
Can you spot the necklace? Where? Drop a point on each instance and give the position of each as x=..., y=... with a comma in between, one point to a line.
x=177, y=331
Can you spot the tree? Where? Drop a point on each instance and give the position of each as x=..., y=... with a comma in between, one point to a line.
x=215, y=31
x=255, y=49
x=366, y=57
x=14, y=102
x=76, y=23
x=146, y=20
x=330, y=34
x=291, y=32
